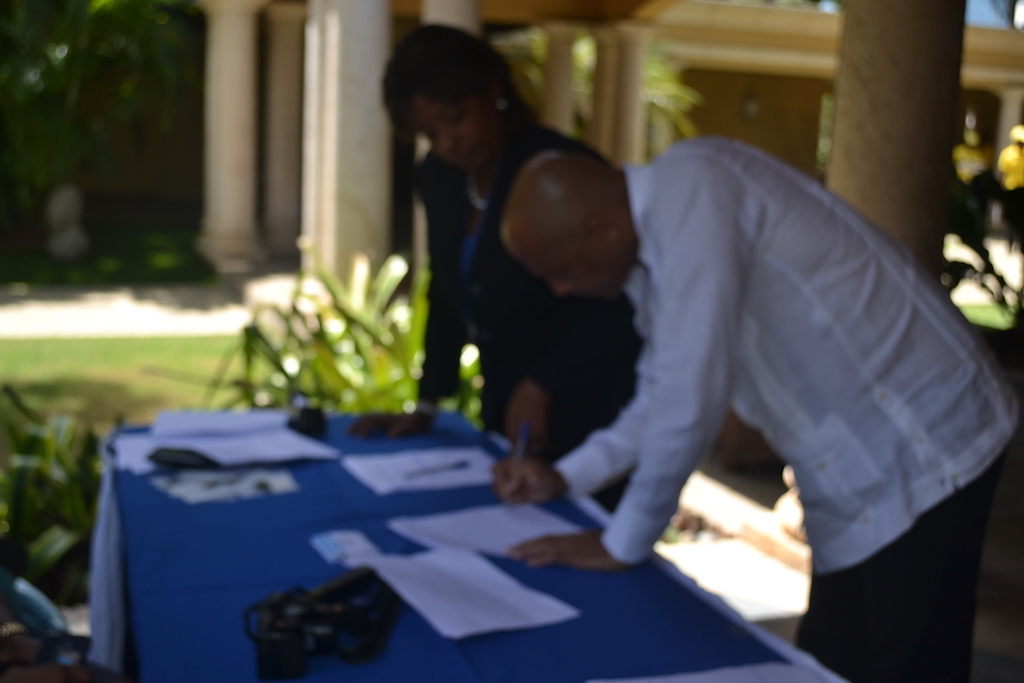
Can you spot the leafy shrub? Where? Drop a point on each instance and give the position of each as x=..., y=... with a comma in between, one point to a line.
x=968, y=204
x=48, y=496
x=70, y=72
x=351, y=347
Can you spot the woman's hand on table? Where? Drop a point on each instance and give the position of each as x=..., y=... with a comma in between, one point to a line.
x=393, y=425
x=582, y=551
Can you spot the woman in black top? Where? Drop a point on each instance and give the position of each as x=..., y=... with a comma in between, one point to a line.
x=564, y=365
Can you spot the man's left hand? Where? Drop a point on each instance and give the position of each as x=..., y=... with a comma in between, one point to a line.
x=583, y=551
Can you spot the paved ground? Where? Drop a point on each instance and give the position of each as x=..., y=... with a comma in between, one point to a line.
x=171, y=310
x=762, y=573
x=753, y=565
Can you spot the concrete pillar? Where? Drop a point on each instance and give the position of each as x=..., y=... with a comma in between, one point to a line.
x=312, y=130
x=464, y=14
x=600, y=131
x=282, y=133
x=896, y=104
x=1011, y=102
x=346, y=144
x=631, y=113
x=558, y=104
x=229, y=237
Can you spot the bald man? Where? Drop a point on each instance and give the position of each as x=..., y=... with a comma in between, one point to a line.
x=757, y=289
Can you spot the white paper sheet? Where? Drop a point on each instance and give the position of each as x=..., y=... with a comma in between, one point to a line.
x=278, y=445
x=209, y=486
x=206, y=423
x=772, y=672
x=435, y=468
x=490, y=529
x=461, y=594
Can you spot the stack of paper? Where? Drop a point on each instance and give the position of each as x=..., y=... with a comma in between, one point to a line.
x=229, y=439
x=490, y=529
x=461, y=594
x=216, y=423
x=436, y=468
x=456, y=590
x=772, y=672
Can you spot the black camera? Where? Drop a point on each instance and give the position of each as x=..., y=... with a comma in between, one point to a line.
x=306, y=419
x=350, y=616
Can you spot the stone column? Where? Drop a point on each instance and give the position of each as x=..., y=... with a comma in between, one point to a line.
x=1011, y=102
x=558, y=105
x=312, y=131
x=896, y=104
x=464, y=14
x=229, y=236
x=282, y=133
x=600, y=131
x=346, y=144
x=631, y=114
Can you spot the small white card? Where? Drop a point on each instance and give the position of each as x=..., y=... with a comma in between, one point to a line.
x=343, y=546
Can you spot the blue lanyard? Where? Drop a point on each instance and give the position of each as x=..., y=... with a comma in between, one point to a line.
x=469, y=247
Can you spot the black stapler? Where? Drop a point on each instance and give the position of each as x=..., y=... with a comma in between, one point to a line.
x=182, y=458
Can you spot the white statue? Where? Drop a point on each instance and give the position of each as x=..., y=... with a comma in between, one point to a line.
x=67, y=239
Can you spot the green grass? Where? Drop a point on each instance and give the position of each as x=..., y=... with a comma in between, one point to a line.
x=104, y=380
x=119, y=255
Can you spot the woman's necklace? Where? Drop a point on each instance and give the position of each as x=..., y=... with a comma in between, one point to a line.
x=479, y=203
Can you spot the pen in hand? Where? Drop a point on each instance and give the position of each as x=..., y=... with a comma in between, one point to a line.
x=507, y=482
x=519, y=448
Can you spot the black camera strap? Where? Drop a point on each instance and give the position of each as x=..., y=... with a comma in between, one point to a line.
x=381, y=618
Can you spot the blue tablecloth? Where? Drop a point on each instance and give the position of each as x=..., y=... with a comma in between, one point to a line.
x=191, y=570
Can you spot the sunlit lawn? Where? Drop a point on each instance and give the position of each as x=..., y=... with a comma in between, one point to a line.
x=104, y=380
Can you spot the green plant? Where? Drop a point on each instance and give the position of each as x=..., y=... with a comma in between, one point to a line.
x=48, y=496
x=70, y=70
x=666, y=97
x=967, y=224
x=668, y=100
x=350, y=348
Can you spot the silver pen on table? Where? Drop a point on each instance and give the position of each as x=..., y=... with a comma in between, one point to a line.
x=437, y=469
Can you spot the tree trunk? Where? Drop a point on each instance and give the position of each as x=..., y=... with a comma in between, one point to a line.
x=896, y=103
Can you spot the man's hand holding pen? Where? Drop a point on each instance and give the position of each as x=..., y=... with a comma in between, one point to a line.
x=530, y=481
x=520, y=478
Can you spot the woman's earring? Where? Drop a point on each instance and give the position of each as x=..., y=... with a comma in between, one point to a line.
x=501, y=104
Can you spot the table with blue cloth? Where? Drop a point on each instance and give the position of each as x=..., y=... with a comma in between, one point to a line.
x=190, y=571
